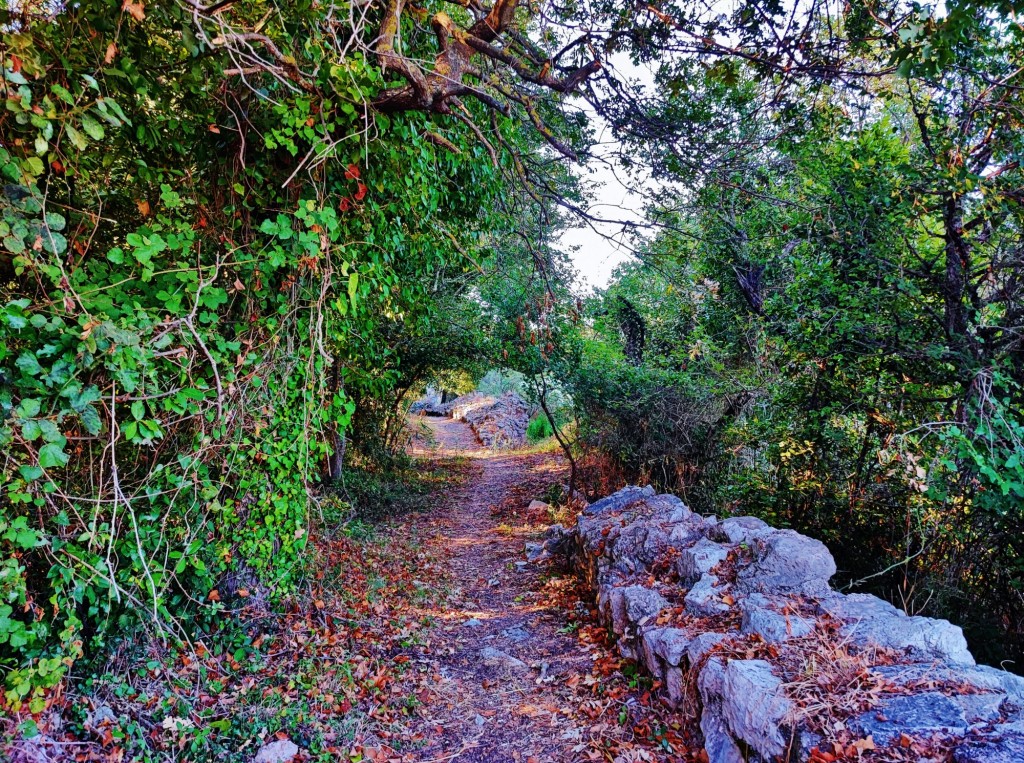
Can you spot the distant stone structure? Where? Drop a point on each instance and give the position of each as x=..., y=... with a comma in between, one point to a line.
x=498, y=422
x=737, y=622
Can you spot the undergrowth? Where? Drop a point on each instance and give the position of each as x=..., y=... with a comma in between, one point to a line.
x=320, y=668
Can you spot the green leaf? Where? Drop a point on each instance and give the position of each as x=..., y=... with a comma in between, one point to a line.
x=91, y=420
x=30, y=473
x=54, y=221
x=28, y=364
x=51, y=455
x=353, y=286
x=28, y=408
x=31, y=430
x=34, y=166
x=77, y=139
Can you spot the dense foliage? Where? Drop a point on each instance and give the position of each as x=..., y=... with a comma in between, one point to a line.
x=206, y=270
x=833, y=322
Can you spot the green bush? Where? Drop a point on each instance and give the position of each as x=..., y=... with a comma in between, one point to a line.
x=539, y=429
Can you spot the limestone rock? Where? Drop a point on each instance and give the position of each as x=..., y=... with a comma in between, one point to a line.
x=675, y=685
x=980, y=708
x=632, y=604
x=705, y=599
x=534, y=551
x=718, y=742
x=741, y=529
x=774, y=627
x=619, y=500
x=700, y=559
x=499, y=422
x=787, y=562
x=1004, y=745
x=500, y=659
x=719, y=745
x=702, y=645
x=280, y=751
x=858, y=606
x=869, y=620
x=915, y=715
x=755, y=708
x=517, y=634
x=668, y=643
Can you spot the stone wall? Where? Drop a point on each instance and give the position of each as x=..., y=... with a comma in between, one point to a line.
x=739, y=627
x=499, y=422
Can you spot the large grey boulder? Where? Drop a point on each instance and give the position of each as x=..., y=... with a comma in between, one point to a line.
x=871, y=621
x=921, y=638
x=787, y=562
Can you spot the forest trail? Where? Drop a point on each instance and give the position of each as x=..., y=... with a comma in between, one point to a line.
x=503, y=659
x=519, y=682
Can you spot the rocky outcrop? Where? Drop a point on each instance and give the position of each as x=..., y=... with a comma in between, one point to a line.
x=736, y=621
x=499, y=422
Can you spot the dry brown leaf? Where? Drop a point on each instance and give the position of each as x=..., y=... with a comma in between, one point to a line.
x=136, y=10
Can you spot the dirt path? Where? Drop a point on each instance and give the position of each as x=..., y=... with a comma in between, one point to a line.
x=506, y=656
x=517, y=678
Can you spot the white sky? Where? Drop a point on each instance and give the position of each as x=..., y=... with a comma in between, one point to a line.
x=593, y=251
x=597, y=249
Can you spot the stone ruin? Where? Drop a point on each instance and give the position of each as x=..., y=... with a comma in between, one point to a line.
x=737, y=623
x=498, y=422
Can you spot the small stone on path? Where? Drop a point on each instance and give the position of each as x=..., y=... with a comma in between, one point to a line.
x=516, y=634
x=496, y=657
x=277, y=752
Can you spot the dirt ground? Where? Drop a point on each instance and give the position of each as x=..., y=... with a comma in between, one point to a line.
x=524, y=674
